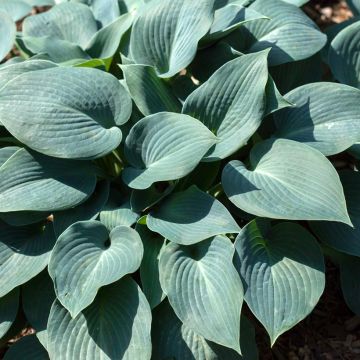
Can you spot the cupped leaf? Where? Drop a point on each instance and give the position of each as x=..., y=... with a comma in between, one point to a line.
x=8, y=31
x=82, y=261
x=149, y=268
x=343, y=237
x=24, y=253
x=174, y=340
x=282, y=268
x=9, y=305
x=86, y=211
x=164, y=146
x=231, y=103
x=191, y=216
x=31, y=181
x=66, y=112
x=29, y=348
x=204, y=271
x=326, y=117
x=150, y=93
x=105, y=11
x=287, y=180
x=176, y=27
x=37, y=296
x=289, y=33
x=16, y=9
x=344, y=55
x=116, y=326
x=70, y=22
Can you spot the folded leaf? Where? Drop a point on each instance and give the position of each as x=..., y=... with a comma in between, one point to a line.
x=344, y=55
x=115, y=326
x=24, y=253
x=325, y=116
x=231, y=103
x=190, y=216
x=164, y=146
x=9, y=305
x=176, y=27
x=82, y=261
x=288, y=180
x=204, y=271
x=68, y=112
x=282, y=268
x=31, y=181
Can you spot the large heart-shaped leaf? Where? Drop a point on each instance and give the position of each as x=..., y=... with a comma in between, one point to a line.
x=9, y=305
x=31, y=181
x=24, y=253
x=326, y=116
x=343, y=237
x=82, y=261
x=149, y=268
x=116, y=326
x=68, y=112
x=16, y=9
x=344, y=55
x=287, y=180
x=290, y=33
x=86, y=211
x=231, y=103
x=8, y=31
x=174, y=340
x=190, y=216
x=176, y=27
x=150, y=93
x=204, y=271
x=282, y=268
x=29, y=348
x=164, y=146
x=37, y=297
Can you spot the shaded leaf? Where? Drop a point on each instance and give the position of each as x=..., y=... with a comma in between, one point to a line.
x=9, y=305
x=29, y=348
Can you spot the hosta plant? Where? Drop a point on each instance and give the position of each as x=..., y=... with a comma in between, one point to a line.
x=164, y=162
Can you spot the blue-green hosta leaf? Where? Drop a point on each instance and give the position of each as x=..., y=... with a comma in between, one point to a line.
x=176, y=27
x=228, y=18
x=68, y=112
x=24, y=253
x=69, y=22
x=127, y=6
x=29, y=348
x=9, y=305
x=106, y=41
x=204, y=271
x=40, y=2
x=290, y=33
x=82, y=262
x=8, y=31
x=274, y=100
x=33, y=182
x=350, y=284
x=282, y=268
x=173, y=340
x=86, y=211
x=287, y=180
x=344, y=55
x=116, y=326
x=115, y=215
x=6, y=153
x=354, y=6
x=16, y=9
x=343, y=237
x=191, y=216
x=37, y=297
x=164, y=146
x=297, y=2
x=231, y=103
x=150, y=93
x=149, y=268
x=326, y=117
x=105, y=11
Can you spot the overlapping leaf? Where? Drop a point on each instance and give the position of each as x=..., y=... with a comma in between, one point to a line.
x=29, y=348
x=287, y=180
x=204, y=271
x=282, y=268
x=115, y=326
x=8, y=31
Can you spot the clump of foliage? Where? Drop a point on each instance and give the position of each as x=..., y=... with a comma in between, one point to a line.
x=162, y=162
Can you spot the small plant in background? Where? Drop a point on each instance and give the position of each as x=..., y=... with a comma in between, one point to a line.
x=164, y=161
